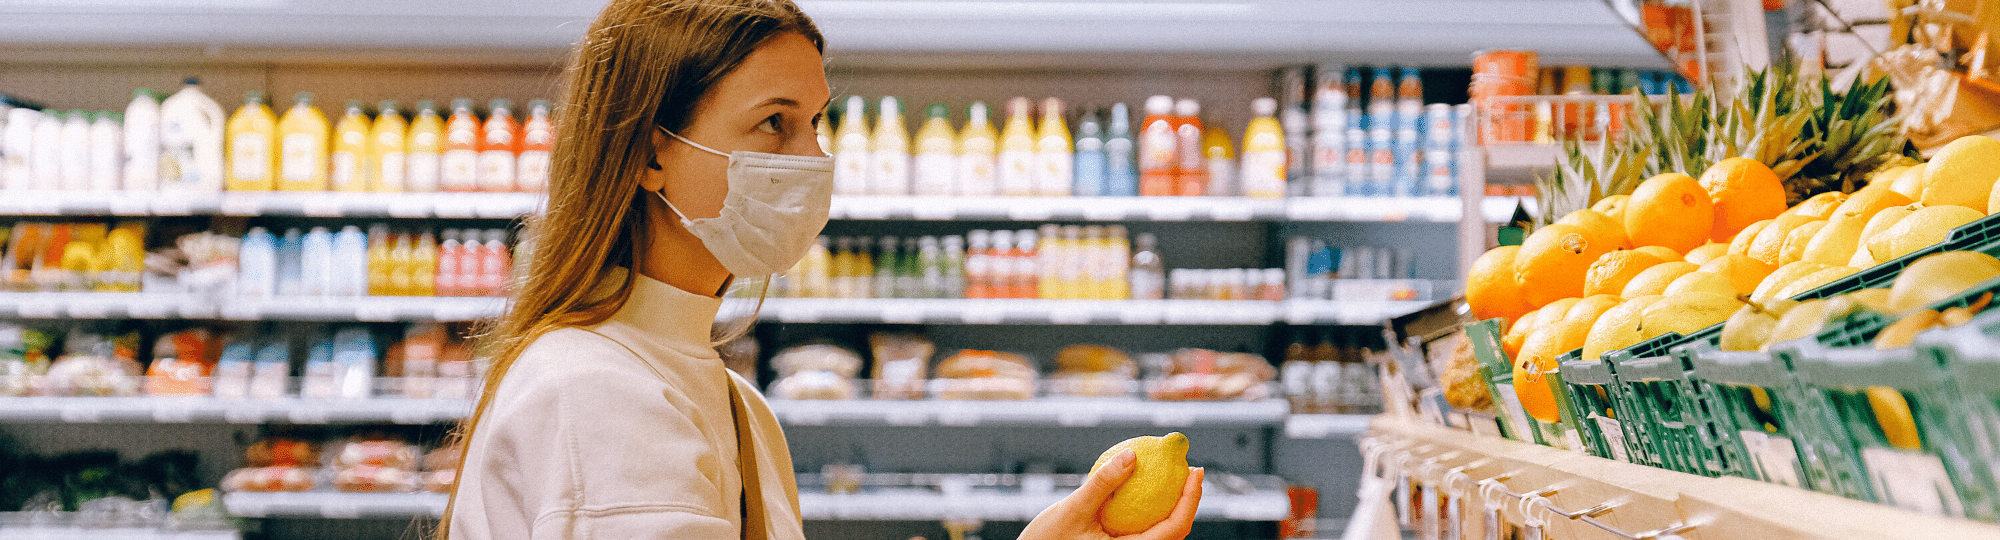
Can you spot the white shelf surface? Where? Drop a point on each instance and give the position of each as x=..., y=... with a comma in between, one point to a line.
x=90, y=305
x=1075, y=412
x=203, y=409
x=1098, y=312
x=887, y=505
x=273, y=203
x=1326, y=426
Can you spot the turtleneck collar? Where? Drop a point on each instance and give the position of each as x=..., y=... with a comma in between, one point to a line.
x=666, y=315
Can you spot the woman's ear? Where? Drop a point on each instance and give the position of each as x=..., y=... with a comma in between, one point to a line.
x=654, y=177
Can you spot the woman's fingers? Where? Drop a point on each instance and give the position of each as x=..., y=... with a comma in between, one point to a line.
x=1099, y=486
x=1177, y=524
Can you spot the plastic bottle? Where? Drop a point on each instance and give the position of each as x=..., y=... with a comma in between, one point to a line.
x=1263, y=171
x=1358, y=153
x=1381, y=162
x=142, y=141
x=388, y=150
x=499, y=148
x=74, y=151
x=841, y=276
x=1053, y=256
x=1055, y=153
x=459, y=166
x=316, y=268
x=191, y=140
x=253, y=143
x=1121, y=168
x=290, y=275
x=889, y=151
x=495, y=264
x=1073, y=277
x=45, y=154
x=1191, y=169
x=931, y=170
x=1148, y=274
x=930, y=268
x=1017, y=151
x=396, y=267
x=1410, y=98
x=302, y=147
x=450, y=264
x=107, y=152
x=257, y=265
x=1115, y=274
x=1382, y=100
x=538, y=137
x=979, y=265
x=910, y=269
x=349, y=265
x=1329, y=135
x=1219, y=157
x=887, y=261
x=426, y=147
x=1027, y=265
x=1158, y=151
x=349, y=158
x=862, y=273
x=1091, y=166
x=977, y=171
x=815, y=279
x=17, y=147
x=423, y=266
x=851, y=149
x=955, y=273
x=380, y=263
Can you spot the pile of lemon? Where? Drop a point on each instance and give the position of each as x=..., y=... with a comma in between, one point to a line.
x=1680, y=254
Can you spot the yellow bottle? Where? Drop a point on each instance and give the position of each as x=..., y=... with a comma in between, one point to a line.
x=1219, y=154
x=890, y=151
x=422, y=267
x=398, y=267
x=1262, y=173
x=1052, y=255
x=978, y=154
x=1055, y=153
x=931, y=170
x=379, y=264
x=850, y=149
x=1017, y=151
x=253, y=142
x=387, y=154
x=350, y=150
x=426, y=148
x=815, y=278
x=1114, y=274
x=302, y=143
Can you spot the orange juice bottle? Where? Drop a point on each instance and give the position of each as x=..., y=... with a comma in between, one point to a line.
x=1017, y=150
x=1157, y=148
x=499, y=148
x=253, y=139
x=426, y=147
x=459, y=166
x=388, y=155
x=1190, y=169
x=302, y=140
x=422, y=267
x=538, y=137
x=1055, y=153
x=350, y=150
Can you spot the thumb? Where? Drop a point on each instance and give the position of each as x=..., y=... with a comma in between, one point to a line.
x=1099, y=486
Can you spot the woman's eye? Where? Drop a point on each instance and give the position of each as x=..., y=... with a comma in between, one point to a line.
x=771, y=125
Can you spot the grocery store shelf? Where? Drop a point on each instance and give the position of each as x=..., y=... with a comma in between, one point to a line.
x=1099, y=312
x=335, y=505
x=1057, y=208
x=1326, y=426
x=1076, y=412
x=1522, y=157
x=273, y=203
x=88, y=305
x=204, y=409
x=1498, y=209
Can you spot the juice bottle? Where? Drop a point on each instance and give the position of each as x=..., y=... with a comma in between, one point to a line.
x=538, y=137
x=978, y=265
x=496, y=263
x=1053, y=255
x=426, y=149
x=142, y=142
x=46, y=156
x=422, y=267
x=978, y=154
x=1000, y=264
x=499, y=148
x=1219, y=157
x=954, y=267
x=1073, y=280
x=1090, y=166
x=1027, y=265
x=1017, y=150
x=388, y=153
x=889, y=151
x=1381, y=100
x=1410, y=98
x=1148, y=277
x=931, y=170
x=863, y=268
x=253, y=133
x=887, y=261
x=1157, y=148
x=396, y=267
x=1055, y=153
x=1263, y=170
x=1117, y=263
x=75, y=151
x=302, y=146
x=1329, y=142
x=851, y=149
x=1191, y=171
x=815, y=278
x=350, y=150
x=191, y=131
x=1121, y=168
x=450, y=265
x=379, y=264
x=842, y=270
x=459, y=166
x=106, y=151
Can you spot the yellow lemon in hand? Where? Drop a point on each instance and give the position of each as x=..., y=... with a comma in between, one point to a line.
x=1149, y=495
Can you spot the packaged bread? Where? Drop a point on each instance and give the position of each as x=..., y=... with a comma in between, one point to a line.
x=984, y=375
x=375, y=479
x=269, y=479
x=902, y=362
x=1092, y=371
x=282, y=452
x=816, y=371
x=1206, y=375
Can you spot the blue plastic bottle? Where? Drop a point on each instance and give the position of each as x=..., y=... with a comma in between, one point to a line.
x=1091, y=164
x=1121, y=170
x=289, y=280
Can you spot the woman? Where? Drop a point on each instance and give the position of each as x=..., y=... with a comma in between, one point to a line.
x=687, y=155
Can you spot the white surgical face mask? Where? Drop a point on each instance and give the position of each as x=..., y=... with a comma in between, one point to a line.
x=775, y=208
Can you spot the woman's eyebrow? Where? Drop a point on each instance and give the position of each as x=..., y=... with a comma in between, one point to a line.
x=788, y=102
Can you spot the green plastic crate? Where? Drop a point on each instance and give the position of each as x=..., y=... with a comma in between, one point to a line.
x=1498, y=373
x=1971, y=356
x=1981, y=235
x=1937, y=478
x=1588, y=408
x=1762, y=439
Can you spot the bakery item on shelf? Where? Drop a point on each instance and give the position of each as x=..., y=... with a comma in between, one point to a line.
x=902, y=360
x=816, y=371
x=984, y=375
x=1092, y=371
x=1206, y=375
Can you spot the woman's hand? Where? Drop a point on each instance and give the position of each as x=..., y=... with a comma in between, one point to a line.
x=1075, y=517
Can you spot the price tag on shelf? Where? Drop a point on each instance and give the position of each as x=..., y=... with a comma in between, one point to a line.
x=173, y=413
x=75, y=414
x=233, y=204
x=367, y=311
x=1106, y=211
x=906, y=416
x=1172, y=417
x=1170, y=211
x=1395, y=210
x=130, y=206
x=806, y=416
x=1030, y=210
x=308, y=414
x=1232, y=211
x=323, y=206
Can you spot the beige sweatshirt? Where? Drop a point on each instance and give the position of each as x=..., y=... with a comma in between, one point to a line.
x=623, y=430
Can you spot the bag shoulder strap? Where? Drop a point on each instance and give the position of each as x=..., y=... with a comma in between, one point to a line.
x=756, y=525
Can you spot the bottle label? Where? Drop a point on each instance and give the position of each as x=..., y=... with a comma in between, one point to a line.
x=424, y=171
x=892, y=173
x=1157, y=147
x=1055, y=173
x=977, y=168
x=534, y=170
x=496, y=170
x=343, y=172
x=932, y=172
x=459, y=170
x=250, y=157
x=393, y=165
x=302, y=155
x=1264, y=173
x=850, y=172
x=1017, y=172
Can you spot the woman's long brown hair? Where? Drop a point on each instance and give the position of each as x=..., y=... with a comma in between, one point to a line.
x=643, y=63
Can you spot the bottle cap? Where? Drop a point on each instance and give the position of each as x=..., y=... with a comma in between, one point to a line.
x=1052, y=107
x=891, y=106
x=386, y=107
x=1019, y=106
x=304, y=98
x=354, y=105
x=937, y=110
x=856, y=106
x=426, y=105
x=977, y=110
x=253, y=96
x=1264, y=106
x=1159, y=105
x=461, y=103
x=1187, y=107
x=499, y=104
x=191, y=81
x=538, y=105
